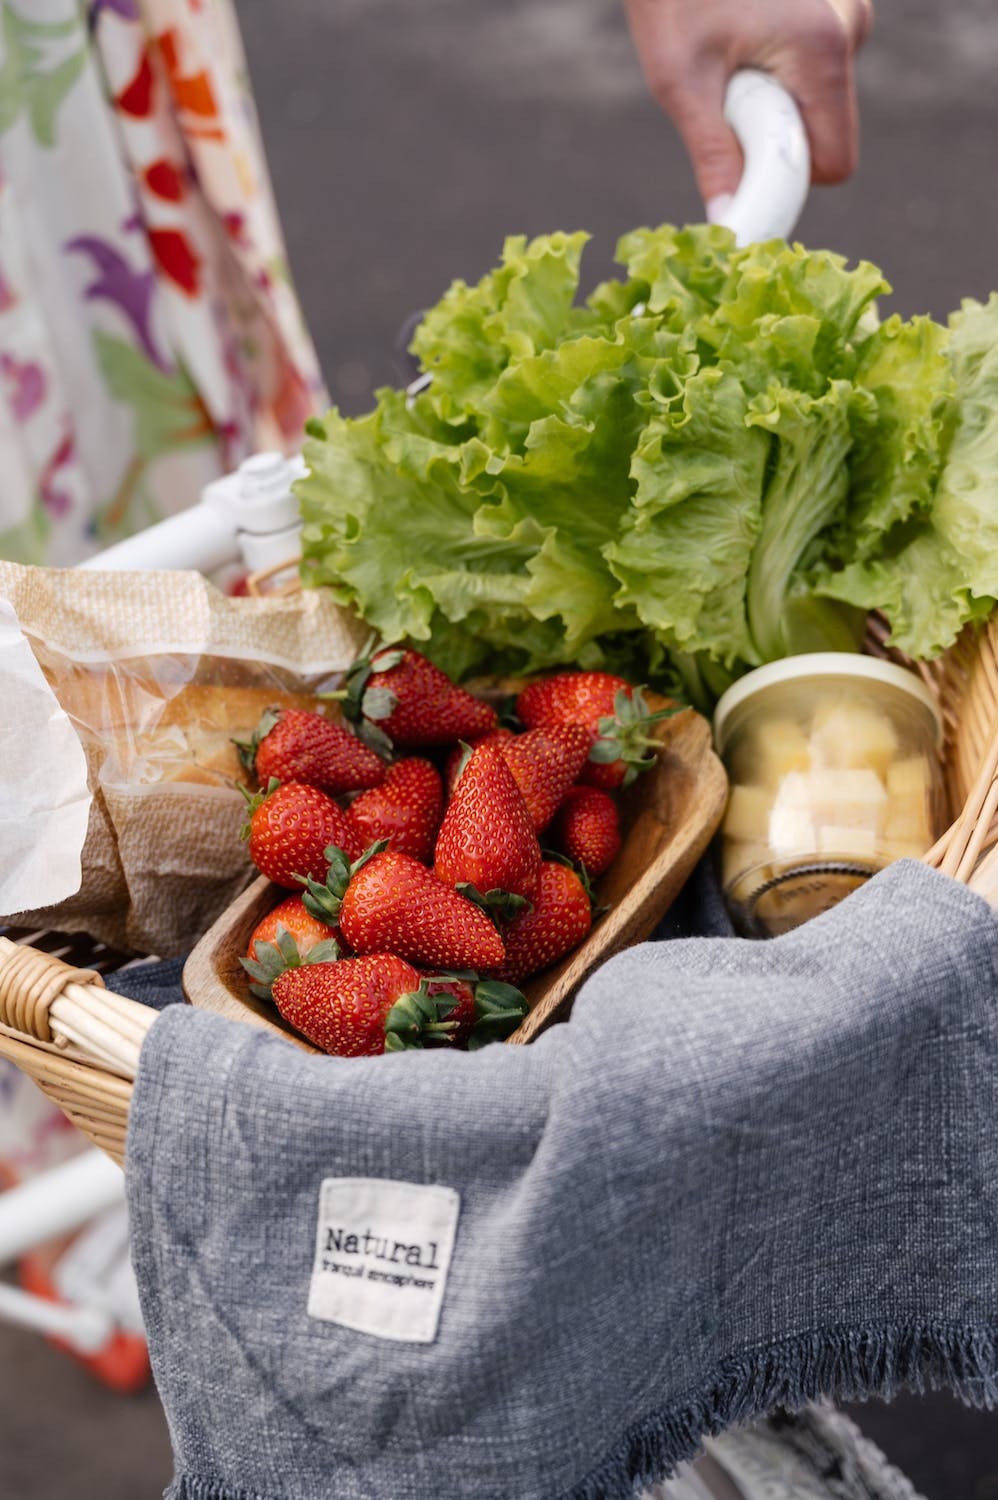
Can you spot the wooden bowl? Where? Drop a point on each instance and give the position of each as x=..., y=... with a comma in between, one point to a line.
x=668, y=817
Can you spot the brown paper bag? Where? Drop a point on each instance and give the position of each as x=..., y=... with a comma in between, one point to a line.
x=159, y=673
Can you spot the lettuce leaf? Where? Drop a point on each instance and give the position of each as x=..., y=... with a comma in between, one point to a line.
x=685, y=544
x=718, y=458
x=930, y=566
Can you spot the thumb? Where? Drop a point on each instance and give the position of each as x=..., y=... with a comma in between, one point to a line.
x=698, y=112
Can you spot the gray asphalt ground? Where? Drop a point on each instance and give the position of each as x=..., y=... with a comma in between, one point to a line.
x=406, y=140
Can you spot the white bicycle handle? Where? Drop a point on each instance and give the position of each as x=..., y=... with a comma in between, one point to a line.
x=777, y=172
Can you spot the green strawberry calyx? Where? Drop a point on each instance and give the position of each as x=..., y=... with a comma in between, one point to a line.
x=254, y=801
x=413, y=1016
x=499, y=1009
x=324, y=899
x=247, y=748
x=466, y=753
x=623, y=735
x=497, y=904
x=274, y=959
x=364, y=704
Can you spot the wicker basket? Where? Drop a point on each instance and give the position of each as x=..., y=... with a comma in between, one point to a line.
x=81, y=1044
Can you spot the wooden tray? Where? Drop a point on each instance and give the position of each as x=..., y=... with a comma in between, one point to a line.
x=668, y=818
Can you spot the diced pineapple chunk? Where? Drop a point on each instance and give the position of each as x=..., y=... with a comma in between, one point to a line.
x=847, y=843
x=908, y=811
x=908, y=777
x=791, y=830
x=748, y=814
x=908, y=819
x=778, y=747
x=848, y=735
x=837, y=798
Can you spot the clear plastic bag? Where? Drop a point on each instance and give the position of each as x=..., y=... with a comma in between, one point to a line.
x=159, y=674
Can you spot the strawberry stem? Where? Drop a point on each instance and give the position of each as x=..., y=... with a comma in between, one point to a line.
x=497, y=904
x=247, y=749
x=255, y=800
x=323, y=900
x=273, y=959
x=622, y=735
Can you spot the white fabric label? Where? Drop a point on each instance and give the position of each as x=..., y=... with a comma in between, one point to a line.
x=382, y=1253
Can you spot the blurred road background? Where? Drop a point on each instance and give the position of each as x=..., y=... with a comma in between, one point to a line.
x=406, y=140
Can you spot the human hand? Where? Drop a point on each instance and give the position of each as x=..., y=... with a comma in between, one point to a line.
x=690, y=48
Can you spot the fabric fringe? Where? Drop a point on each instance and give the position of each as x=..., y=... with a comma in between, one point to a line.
x=191, y=1487
x=854, y=1364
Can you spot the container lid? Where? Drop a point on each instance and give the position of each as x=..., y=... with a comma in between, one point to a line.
x=813, y=664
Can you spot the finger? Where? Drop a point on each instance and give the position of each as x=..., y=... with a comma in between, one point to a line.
x=697, y=109
x=691, y=92
x=856, y=17
x=826, y=95
x=864, y=23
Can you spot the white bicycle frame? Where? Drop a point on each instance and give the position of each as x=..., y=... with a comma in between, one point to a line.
x=249, y=516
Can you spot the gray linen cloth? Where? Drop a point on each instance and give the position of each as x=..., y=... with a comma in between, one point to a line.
x=743, y=1176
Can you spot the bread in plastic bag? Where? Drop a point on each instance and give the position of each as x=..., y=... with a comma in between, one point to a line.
x=159, y=673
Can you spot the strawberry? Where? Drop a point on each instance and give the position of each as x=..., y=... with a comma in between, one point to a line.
x=560, y=918
x=389, y=902
x=477, y=1011
x=587, y=828
x=396, y=696
x=545, y=763
x=361, y=1007
x=292, y=745
x=289, y=829
x=614, y=713
x=487, y=845
x=286, y=938
x=461, y=754
x=299, y=924
x=350, y=1008
x=405, y=809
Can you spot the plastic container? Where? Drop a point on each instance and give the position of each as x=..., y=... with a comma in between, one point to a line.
x=835, y=772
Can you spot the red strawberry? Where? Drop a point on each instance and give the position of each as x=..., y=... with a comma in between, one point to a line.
x=399, y=697
x=545, y=763
x=614, y=713
x=475, y=1012
x=290, y=744
x=587, y=828
x=298, y=923
x=460, y=755
x=405, y=809
x=345, y=1008
x=361, y=1007
x=289, y=829
x=286, y=938
x=487, y=840
x=557, y=922
x=458, y=1007
x=389, y=902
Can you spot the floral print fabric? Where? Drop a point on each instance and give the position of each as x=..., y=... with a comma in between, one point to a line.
x=150, y=336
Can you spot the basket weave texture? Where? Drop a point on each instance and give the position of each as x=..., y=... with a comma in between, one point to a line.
x=81, y=1044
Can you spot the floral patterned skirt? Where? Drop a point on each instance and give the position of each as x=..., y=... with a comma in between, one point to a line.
x=149, y=333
